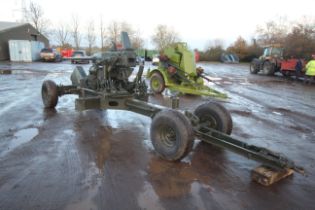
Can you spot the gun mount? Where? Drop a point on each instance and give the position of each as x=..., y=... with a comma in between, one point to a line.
x=108, y=86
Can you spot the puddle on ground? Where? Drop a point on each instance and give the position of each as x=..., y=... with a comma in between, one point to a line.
x=23, y=136
x=277, y=113
x=148, y=199
x=19, y=138
x=91, y=185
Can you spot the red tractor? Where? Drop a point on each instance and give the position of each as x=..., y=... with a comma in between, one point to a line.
x=272, y=61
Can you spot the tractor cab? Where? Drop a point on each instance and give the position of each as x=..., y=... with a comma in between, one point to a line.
x=272, y=52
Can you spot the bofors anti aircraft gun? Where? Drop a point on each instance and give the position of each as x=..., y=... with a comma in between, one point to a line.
x=177, y=71
x=172, y=132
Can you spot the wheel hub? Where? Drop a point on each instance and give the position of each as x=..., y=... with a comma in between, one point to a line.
x=168, y=136
x=155, y=83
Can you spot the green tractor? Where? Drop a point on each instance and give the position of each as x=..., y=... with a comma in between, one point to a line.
x=269, y=62
x=177, y=71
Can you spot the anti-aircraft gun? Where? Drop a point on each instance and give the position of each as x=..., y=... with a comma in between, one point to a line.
x=177, y=71
x=107, y=86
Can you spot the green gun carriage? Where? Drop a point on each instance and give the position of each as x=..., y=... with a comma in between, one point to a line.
x=172, y=131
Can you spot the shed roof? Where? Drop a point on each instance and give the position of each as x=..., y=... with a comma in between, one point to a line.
x=9, y=25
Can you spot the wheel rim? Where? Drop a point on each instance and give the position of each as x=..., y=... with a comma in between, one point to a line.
x=155, y=83
x=209, y=121
x=168, y=136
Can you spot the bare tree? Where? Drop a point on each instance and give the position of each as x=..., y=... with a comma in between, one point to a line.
x=273, y=32
x=239, y=47
x=76, y=35
x=300, y=42
x=91, y=37
x=164, y=36
x=298, y=39
x=34, y=14
x=213, y=50
x=114, y=30
x=102, y=34
x=215, y=43
x=137, y=41
x=62, y=34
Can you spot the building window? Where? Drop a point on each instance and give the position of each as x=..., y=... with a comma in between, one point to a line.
x=34, y=37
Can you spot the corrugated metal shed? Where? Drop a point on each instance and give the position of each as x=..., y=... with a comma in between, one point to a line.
x=18, y=31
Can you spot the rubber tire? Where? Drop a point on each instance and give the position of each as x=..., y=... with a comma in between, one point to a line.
x=218, y=114
x=158, y=77
x=182, y=142
x=268, y=68
x=285, y=73
x=49, y=94
x=252, y=68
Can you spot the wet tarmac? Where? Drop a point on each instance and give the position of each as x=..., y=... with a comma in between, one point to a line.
x=64, y=159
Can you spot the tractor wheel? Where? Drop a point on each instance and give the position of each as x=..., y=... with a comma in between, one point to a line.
x=268, y=68
x=253, y=68
x=172, y=135
x=157, y=83
x=285, y=73
x=49, y=94
x=215, y=116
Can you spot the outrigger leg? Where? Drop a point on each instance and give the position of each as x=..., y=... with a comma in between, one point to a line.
x=275, y=165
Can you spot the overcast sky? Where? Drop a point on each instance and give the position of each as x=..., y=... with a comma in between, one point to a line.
x=196, y=21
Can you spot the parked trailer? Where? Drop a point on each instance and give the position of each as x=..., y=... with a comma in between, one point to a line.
x=288, y=67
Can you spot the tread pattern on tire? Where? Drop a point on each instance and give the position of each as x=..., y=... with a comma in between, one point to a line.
x=184, y=134
x=49, y=94
x=217, y=111
x=271, y=70
x=253, y=68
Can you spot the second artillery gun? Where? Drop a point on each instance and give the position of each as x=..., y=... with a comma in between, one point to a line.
x=108, y=86
x=177, y=71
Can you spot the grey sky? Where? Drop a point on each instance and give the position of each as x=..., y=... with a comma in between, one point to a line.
x=196, y=21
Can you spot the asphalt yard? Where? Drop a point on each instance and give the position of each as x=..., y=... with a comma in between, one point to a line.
x=104, y=159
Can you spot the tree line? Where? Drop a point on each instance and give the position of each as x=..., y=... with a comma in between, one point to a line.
x=73, y=33
x=298, y=39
